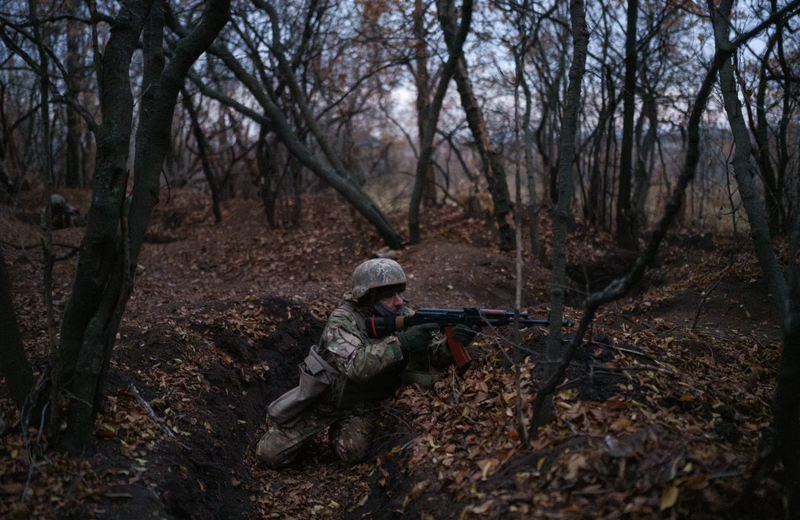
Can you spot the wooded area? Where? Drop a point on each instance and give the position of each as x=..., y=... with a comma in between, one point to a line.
x=186, y=187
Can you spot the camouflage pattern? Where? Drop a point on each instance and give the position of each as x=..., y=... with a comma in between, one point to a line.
x=62, y=214
x=378, y=272
x=357, y=356
x=369, y=371
x=350, y=438
x=370, y=368
x=280, y=446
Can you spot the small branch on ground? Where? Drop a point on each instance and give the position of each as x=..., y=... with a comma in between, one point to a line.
x=132, y=389
x=703, y=300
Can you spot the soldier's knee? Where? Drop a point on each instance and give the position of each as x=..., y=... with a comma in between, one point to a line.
x=272, y=452
x=353, y=439
x=352, y=450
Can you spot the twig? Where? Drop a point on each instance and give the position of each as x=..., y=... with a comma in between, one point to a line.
x=406, y=445
x=756, y=340
x=497, y=334
x=634, y=352
x=456, y=393
x=700, y=305
x=590, y=492
x=568, y=382
x=399, y=419
x=132, y=389
x=725, y=474
x=629, y=351
x=31, y=466
x=637, y=367
x=70, y=395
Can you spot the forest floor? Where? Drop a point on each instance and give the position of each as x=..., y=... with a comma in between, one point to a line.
x=656, y=419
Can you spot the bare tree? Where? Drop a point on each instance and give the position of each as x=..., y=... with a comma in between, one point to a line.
x=627, y=229
x=202, y=151
x=333, y=172
x=13, y=361
x=422, y=80
x=566, y=158
x=742, y=165
x=785, y=296
x=455, y=41
x=104, y=279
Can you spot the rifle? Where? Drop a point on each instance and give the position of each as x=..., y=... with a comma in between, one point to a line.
x=378, y=326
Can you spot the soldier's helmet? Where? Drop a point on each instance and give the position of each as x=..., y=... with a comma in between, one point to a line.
x=377, y=272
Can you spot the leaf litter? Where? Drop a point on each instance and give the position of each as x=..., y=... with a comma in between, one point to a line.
x=654, y=419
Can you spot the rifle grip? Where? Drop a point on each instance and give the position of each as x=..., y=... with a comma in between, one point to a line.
x=457, y=348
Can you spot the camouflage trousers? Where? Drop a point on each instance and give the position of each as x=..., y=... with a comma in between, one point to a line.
x=349, y=435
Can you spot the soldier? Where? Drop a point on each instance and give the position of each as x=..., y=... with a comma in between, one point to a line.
x=353, y=372
x=63, y=215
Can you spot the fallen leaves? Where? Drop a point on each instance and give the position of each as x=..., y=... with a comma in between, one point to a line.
x=669, y=498
x=673, y=408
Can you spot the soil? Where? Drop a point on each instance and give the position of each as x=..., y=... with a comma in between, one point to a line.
x=222, y=315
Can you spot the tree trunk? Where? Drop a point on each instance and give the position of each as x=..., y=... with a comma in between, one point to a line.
x=786, y=299
x=297, y=182
x=596, y=200
x=422, y=80
x=104, y=280
x=566, y=157
x=772, y=190
x=6, y=184
x=47, y=174
x=786, y=401
x=113, y=142
x=530, y=169
x=627, y=229
x=491, y=159
x=543, y=141
x=645, y=152
x=455, y=42
x=73, y=175
x=789, y=106
x=14, y=364
x=202, y=150
x=742, y=165
x=268, y=177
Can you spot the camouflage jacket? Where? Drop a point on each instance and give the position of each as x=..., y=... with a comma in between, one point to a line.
x=370, y=369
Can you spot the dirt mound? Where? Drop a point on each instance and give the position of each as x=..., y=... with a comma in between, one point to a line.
x=450, y=274
x=733, y=307
x=595, y=274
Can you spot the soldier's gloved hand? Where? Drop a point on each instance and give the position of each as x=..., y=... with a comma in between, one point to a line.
x=417, y=338
x=464, y=335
